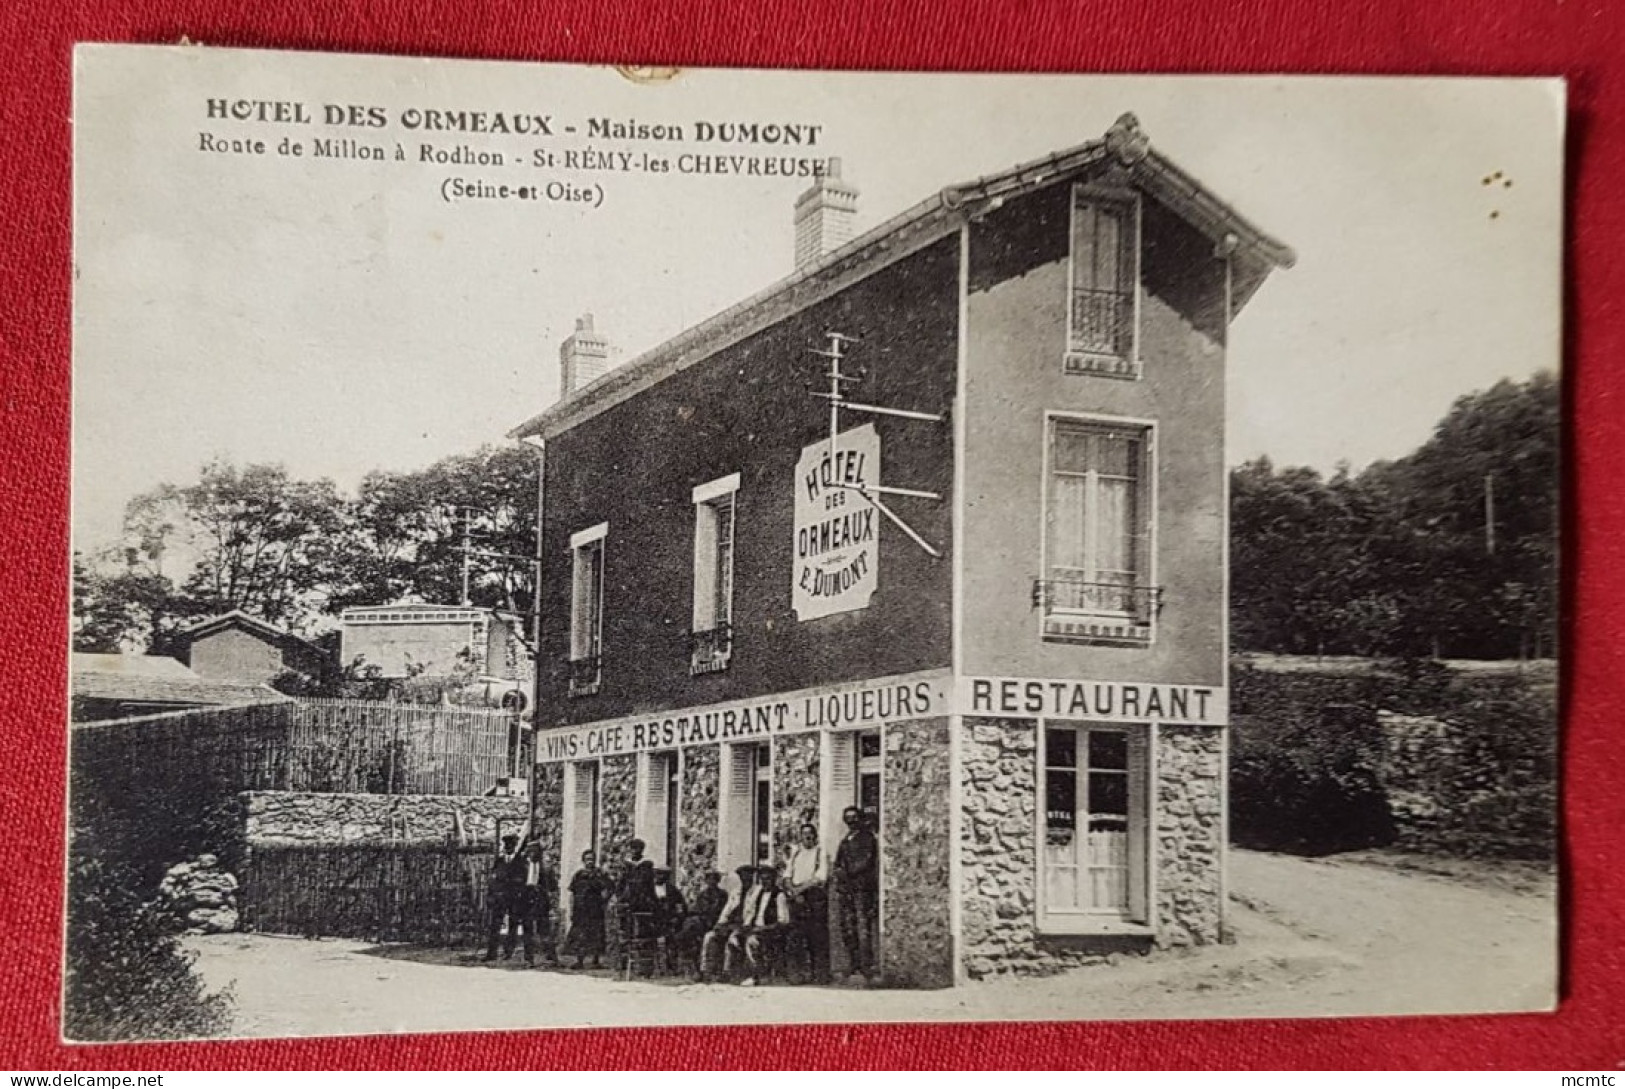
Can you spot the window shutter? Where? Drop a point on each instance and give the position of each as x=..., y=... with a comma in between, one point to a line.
x=734, y=847
x=1139, y=813
x=722, y=613
x=841, y=759
x=705, y=566
x=652, y=828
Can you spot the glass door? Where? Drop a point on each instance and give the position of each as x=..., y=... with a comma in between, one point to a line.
x=1088, y=813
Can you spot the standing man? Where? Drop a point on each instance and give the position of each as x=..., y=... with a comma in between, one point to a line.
x=806, y=881
x=538, y=906
x=508, y=901
x=857, y=878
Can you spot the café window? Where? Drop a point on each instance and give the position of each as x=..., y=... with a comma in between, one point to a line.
x=1096, y=584
x=1102, y=311
x=587, y=610
x=1096, y=809
x=712, y=632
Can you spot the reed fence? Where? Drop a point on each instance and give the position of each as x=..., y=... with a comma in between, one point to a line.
x=423, y=893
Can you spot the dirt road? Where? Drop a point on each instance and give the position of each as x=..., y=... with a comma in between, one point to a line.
x=1312, y=937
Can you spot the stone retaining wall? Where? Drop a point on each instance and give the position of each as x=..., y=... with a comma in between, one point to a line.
x=287, y=817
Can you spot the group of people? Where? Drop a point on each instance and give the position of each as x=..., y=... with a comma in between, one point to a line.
x=735, y=933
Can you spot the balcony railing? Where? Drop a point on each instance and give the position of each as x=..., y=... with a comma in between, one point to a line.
x=710, y=650
x=1101, y=334
x=586, y=674
x=1111, y=612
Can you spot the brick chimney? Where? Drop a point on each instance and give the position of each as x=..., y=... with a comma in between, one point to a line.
x=583, y=357
x=825, y=216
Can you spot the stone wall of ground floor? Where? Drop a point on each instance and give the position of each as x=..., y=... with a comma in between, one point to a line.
x=1188, y=818
x=1000, y=858
x=916, y=928
x=547, y=826
x=697, y=817
x=795, y=790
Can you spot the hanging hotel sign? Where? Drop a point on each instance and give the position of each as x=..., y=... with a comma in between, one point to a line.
x=837, y=530
x=830, y=707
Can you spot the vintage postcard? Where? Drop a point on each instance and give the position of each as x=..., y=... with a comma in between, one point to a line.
x=562, y=546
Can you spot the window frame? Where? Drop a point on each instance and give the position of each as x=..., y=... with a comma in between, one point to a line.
x=1085, y=361
x=586, y=658
x=1135, y=919
x=711, y=625
x=1109, y=627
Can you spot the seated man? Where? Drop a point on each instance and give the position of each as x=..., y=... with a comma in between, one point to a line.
x=765, y=918
x=720, y=937
x=697, y=923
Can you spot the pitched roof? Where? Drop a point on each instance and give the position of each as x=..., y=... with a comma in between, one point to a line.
x=239, y=619
x=139, y=678
x=132, y=665
x=1253, y=253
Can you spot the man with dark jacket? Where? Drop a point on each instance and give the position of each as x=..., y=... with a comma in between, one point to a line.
x=857, y=882
x=511, y=899
x=700, y=921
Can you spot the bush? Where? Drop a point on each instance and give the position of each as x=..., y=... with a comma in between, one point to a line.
x=1308, y=784
x=1311, y=774
x=127, y=976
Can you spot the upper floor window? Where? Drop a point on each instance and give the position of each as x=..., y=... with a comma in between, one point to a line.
x=1097, y=581
x=1102, y=314
x=713, y=575
x=587, y=610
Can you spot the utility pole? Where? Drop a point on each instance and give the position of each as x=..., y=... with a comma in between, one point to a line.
x=468, y=559
x=838, y=401
x=1489, y=513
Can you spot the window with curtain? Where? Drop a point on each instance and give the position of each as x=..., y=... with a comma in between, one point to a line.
x=1095, y=547
x=1096, y=812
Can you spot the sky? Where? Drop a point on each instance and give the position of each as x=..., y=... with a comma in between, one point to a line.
x=338, y=316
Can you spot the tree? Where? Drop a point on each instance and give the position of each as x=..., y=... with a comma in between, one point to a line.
x=408, y=531
x=1404, y=558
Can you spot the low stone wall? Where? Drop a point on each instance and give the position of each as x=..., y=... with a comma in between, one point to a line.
x=288, y=817
x=916, y=937
x=1190, y=834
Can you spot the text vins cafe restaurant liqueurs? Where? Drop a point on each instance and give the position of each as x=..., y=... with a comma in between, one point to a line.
x=976, y=586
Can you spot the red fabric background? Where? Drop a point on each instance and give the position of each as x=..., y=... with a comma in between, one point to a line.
x=1581, y=39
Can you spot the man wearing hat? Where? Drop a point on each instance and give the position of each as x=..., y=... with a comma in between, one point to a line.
x=730, y=920
x=508, y=900
x=707, y=909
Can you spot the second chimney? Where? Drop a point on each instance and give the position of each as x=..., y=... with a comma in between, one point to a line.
x=825, y=216
x=583, y=357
